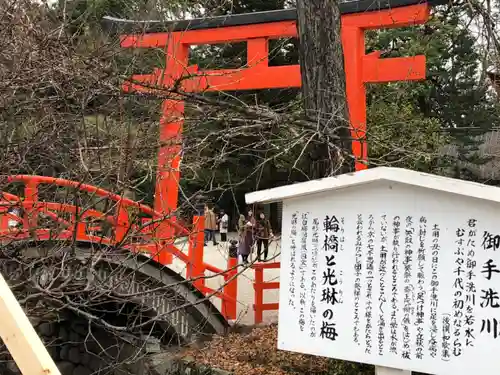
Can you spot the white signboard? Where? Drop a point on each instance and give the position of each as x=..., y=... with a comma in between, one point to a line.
x=393, y=275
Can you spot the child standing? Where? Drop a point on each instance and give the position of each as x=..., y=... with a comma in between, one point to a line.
x=223, y=225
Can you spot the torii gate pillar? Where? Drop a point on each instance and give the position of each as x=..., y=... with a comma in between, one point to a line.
x=178, y=76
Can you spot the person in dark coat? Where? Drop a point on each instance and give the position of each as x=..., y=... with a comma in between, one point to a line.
x=210, y=225
x=247, y=238
x=241, y=224
x=262, y=234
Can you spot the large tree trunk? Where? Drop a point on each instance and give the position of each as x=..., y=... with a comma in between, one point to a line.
x=323, y=82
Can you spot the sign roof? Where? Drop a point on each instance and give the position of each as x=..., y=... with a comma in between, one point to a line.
x=397, y=175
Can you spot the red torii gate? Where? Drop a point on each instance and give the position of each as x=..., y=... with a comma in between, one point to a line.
x=257, y=29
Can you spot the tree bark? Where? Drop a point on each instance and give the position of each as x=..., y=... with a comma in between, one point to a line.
x=323, y=81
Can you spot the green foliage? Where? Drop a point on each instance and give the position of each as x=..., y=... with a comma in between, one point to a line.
x=401, y=137
x=451, y=98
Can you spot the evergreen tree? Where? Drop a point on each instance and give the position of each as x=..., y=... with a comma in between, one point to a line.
x=451, y=99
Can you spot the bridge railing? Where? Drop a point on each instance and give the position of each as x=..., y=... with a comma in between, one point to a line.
x=260, y=286
x=84, y=224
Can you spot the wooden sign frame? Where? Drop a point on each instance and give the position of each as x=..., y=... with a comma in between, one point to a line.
x=20, y=338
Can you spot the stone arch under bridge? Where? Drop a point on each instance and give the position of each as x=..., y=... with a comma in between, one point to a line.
x=118, y=288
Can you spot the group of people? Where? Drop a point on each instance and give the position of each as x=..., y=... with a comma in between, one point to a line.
x=251, y=231
x=214, y=223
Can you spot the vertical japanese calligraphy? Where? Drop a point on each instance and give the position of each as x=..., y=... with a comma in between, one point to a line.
x=446, y=337
x=421, y=288
x=408, y=284
x=396, y=225
x=329, y=293
x=489, y=294
x=459, y=294
x=369, y=283
x=491, y=241
x=302, y=270
x=357, y=272
x=314, y=276
x=382, y=299
x=341, y=249
x=408, y=288
x=470, y=284
x=293, y=251
x=396, y=286
x=434, y=290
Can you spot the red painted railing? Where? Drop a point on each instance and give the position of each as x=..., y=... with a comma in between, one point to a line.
x=259, y=286
x=139, y=237
x=82, y=225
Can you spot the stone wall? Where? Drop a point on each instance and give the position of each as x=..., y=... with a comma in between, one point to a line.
x=173, y=364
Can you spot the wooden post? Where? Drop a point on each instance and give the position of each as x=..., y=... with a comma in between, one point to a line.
x=258, y=294
x=195, y=269
x=20, y=337
x=31, y=196
x=229, y=308
x=379, y=370
x=122, y=222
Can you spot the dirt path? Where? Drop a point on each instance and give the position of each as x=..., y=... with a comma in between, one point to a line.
x=217, y=256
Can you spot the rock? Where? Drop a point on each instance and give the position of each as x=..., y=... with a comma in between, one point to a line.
x=63, y=334
x=66, y=368
x=152, y=344
x=74, y=355
x=188, y=359
x=80, y=370
x=79, y=328
x=95, y=363
x=137, y=368
x=54, y=352
x=74, y=337
x=46, y=329
x=215, y=371
x=35, y=321
x=161, y=364
x=169, y=363
x=11, y=366
x=85, y=359
x=64, y=352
